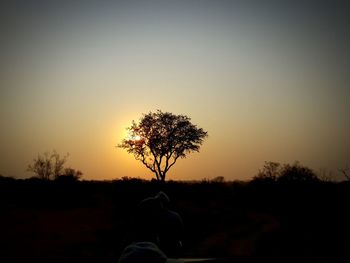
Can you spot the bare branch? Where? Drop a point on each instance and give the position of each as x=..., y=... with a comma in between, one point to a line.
x=345, y=173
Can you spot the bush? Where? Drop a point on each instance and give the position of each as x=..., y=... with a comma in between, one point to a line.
x=297, y=173
x=69, y=175
x=274, y=172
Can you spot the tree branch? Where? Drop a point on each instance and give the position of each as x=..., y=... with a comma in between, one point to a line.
x=143, y=160
x=175, y=159
x=156, y=162
x=345, y=173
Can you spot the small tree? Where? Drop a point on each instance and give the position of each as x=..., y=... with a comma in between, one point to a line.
x=58, y=164
x=218, y=179
x=269, y=173
x=48, y=165
x=287, y=173
x=69, y=175
x=160, y=138
x=297, y=173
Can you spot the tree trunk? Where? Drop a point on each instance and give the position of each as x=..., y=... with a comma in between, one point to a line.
x=162, y=178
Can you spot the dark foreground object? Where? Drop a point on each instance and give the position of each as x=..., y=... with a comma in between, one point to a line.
x=85, y=221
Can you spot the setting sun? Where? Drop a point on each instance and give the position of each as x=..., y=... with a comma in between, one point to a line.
x=133, y=137
x=137, y=138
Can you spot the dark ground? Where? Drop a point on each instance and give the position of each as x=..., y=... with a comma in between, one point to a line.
x=243, y=222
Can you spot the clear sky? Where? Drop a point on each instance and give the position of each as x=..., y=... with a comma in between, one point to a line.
x=268, y=81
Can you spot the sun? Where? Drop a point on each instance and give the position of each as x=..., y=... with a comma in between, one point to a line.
x=134, y=137
x=137, y=138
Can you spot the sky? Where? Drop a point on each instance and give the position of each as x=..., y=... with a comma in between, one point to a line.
x=268, y=81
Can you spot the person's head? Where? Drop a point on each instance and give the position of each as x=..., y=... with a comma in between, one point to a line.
x=145, y=252
x=163, y=199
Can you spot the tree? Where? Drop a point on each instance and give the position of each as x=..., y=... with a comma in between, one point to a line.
x=160, y=139
x=48, y=165
x=269, y=173
x=287, y=173
x=297, y=173
x=218, y=179
x=69, y=175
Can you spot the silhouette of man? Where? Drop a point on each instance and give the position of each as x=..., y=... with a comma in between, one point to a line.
x=160, y=225
x=170, y=227
x=146, y=220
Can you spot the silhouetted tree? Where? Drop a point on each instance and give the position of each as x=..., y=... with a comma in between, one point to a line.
x=48, y=165
x=273, y=172
x=296, y=173
x=160, y=138
x=325, y=175
x=269, y=173
x=218, y=179
x=69, y=175
x=58, y=164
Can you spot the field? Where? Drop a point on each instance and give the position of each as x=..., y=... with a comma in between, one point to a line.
x=89, y=221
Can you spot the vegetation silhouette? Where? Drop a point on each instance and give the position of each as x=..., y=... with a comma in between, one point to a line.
x=345, y=172
x=51, y=166
x=69, y=175
x=160, y=139
x=295, y=173
x=89, y=221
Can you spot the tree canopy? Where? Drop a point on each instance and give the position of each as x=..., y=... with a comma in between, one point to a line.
x=160, y=138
